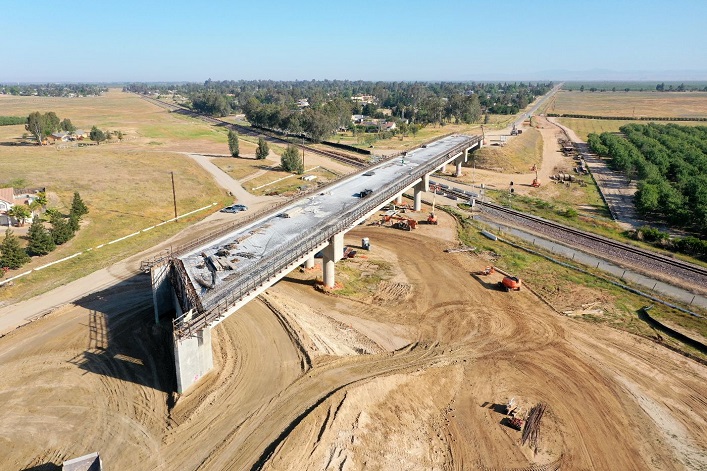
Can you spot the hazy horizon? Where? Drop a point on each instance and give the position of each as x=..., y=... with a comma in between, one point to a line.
x=396, y=41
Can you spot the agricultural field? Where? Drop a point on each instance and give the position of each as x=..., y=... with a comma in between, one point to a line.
x=629, y=104
x=670, y=163
x=126, y=185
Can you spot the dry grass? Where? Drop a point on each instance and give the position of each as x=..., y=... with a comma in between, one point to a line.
x=651, y=104
x=126, y=185
x=519, y=153
x=280, y=182
x=400, y=143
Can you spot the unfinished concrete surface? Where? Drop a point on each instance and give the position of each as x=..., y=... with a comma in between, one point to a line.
x=406, y=376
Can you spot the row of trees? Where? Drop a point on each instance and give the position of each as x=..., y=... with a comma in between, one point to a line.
x=263, y=150
x=54, y=89
x=670, y=162
x=274, y=104
x=42, y=240
x=12, y=120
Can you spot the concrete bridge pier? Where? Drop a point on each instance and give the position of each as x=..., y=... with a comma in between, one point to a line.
x=309, y=263
x=330, y=255
x=399, y=199
x=422, y=186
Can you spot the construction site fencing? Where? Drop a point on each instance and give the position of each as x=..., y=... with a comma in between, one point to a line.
x=220, y=300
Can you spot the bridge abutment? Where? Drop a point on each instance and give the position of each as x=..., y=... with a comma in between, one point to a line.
x=161, y=290
x=193, y=358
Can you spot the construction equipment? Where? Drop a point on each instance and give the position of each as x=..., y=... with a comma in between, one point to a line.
x=515, y=423
x=401, y=222
x=536, y=182
x=510, y=283
x=512, y=411
x=432, y=218
x=487, y=271
x=514, y=131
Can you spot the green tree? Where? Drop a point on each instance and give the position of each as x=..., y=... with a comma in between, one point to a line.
x=40, y=240
x=291, y=161
x=262, y=151
x=77, y=206
x=97, y=135
x=61, y=231
x=21, y=212
x=41, y=125
x=41, y=199
x=67, y=126
x=233, y=143
x=11, y=254
x=74, y=223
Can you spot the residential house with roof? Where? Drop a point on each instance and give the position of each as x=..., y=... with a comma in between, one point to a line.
x=10, y=197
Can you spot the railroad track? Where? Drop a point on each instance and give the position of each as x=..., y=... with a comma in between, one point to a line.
x=652, y=262
x=343, y=158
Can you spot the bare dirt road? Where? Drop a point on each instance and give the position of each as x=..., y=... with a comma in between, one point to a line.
x=409, y=375
x=618, y=191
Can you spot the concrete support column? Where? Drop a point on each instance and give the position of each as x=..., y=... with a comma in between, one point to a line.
x=331, y=253
x=419, y=189
x=193, y=358
x=458, y=163
x=309, y=263
x=466, y=155
x=399, y=199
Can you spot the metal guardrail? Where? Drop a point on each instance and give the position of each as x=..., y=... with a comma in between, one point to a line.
x=257, y=275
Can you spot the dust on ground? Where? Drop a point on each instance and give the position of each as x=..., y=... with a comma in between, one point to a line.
x=412, y=376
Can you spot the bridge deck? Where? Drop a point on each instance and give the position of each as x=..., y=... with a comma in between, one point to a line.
x=236, y=263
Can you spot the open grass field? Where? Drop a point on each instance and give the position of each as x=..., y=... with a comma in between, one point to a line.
x=651, y=104
x=126, y=186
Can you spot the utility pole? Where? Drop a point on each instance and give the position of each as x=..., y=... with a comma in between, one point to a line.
x=174, y=197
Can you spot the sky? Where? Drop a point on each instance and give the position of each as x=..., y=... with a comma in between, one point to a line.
x=155, y=40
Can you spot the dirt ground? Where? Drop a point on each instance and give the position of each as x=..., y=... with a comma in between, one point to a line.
x=552, y=160
x=408, y=376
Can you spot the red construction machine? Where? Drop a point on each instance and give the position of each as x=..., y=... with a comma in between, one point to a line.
x=510, y=283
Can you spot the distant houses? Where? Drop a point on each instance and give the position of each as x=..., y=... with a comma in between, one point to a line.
x=372, y=124
x=63, y=136
x=10, y=197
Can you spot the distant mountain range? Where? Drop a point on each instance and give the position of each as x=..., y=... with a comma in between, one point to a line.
x=601, y=75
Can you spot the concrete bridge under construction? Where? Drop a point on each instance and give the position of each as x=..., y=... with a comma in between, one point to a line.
x=208, y=283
